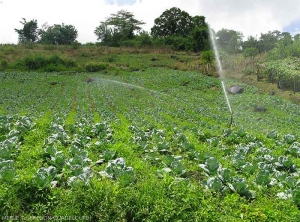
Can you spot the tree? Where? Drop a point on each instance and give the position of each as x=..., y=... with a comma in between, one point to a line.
x=229, y=40
x=286, y=38
x=251, y=42
x=180, y=30
x=118, y=27
x=58, y=34
x=268, y=40
x=172, y=22
x=200, y=33
x=28, y=33
x=297, y=37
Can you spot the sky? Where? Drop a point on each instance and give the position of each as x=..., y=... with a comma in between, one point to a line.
x=251, y=17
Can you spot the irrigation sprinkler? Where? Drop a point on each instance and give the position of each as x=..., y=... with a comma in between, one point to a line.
x=221, y=74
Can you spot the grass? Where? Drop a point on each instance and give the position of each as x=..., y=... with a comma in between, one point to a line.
x=117, y=59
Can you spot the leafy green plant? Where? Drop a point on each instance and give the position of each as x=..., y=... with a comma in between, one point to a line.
x=45, y=176
x=294, y=149
x=239, y=186
x=116, y=169
x=215, y=184
x=7, y=171
x=211, y=165
x=263, y=177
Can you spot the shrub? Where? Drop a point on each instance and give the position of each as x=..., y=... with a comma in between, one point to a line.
x=95, y=67
x=251, y=52
x=41, y=63
x=207, y=57
x=34, y=62
x=3, y=65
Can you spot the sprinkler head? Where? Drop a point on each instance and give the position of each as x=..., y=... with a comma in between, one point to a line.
x=231, y=120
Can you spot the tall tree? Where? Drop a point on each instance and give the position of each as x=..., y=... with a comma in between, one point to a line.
x=182, y=31
x=286, y=38
x=267, y=41
x=200, y=33
x=251, y=42
x=118, y=27
x=58, y=34
x=172, y=22
x=28, y=33
x=229, y=40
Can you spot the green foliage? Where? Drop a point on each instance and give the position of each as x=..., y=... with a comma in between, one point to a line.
x=178, y=29
x=229, y=40
x=58, y=34
x=208, y=57
x=172, y=22
x=284, y=72
x=7, y=170
x=48, y=64
x=251, y=52
x=3, y=65
x=268, y=40
x=29, y=32
x=117, y=28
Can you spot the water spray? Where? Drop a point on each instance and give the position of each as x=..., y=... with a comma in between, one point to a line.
x=221, y=74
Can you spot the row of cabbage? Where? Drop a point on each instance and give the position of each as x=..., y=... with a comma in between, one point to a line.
x=12, y=132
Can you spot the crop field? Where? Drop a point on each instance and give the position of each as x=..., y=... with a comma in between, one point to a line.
x=149, y=145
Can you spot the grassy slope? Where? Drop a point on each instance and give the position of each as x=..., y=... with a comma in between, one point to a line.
x=173, y=101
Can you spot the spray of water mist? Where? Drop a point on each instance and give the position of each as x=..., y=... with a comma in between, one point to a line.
x=221, y=73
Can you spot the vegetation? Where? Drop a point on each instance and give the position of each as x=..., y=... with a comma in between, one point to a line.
x=139, y=131
x=178, y=29
x=52, y=35
x=118, y=28
x=165, y=154
x=58, y=34
x=229, y=40
x=29, y=32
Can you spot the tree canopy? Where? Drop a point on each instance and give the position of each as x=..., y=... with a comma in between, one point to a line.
x=172, y=22
x=181, y=30
x=28, y=33
x=58, y=34
x=118, y=27
x=229, y=40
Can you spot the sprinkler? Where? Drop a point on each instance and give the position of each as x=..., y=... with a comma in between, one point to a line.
x=221, y=74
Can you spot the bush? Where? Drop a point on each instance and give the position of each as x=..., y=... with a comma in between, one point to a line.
x=208, y=57
x=95, y=67
x=34, y=62
x=3, y=65
x=48, y=64
x=251, y=52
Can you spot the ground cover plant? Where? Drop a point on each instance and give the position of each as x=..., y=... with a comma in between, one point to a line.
x=145, y=145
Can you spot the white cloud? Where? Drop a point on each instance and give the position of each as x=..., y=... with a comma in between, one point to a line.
x=250, y=17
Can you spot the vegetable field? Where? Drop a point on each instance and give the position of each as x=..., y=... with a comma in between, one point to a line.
x=150, y=145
